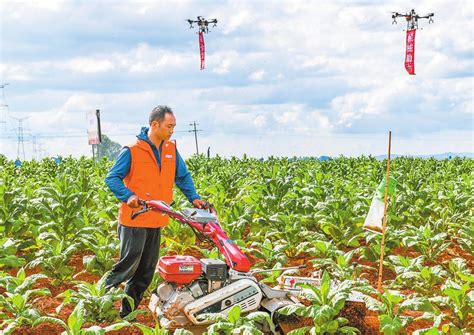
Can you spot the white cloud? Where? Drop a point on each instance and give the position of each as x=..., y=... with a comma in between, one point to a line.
x=287, y=117
x=257, y=75
x=260, y=121
x=88, y=65
x=241, y=18
x=15, y=72
x=145, y=58
x=294, y=68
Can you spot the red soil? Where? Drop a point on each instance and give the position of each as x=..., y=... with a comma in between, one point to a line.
x=366, y=321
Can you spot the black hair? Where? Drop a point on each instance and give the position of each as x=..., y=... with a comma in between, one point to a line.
x=158, y=113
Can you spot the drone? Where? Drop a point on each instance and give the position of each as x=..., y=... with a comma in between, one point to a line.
x=202, y=23
x=412, y=18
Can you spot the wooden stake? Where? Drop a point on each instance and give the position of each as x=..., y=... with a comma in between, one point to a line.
x=382, y=246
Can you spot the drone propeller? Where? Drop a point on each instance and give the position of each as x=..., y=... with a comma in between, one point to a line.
x=202, y=24
x=394, y=17
x=190, y=23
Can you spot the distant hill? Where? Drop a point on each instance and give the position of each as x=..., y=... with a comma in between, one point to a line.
x=445, y=155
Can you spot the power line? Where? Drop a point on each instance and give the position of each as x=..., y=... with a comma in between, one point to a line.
x=69, y=134
x=288, y=133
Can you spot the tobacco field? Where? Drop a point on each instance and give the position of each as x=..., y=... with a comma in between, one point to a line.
x=58, y=238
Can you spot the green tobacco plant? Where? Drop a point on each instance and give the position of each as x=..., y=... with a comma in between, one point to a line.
x=391, y=305
x=107, y=207
x=372, y=250
x=237, y=219
x=426, y=241
x=401, y=264
x=326, y=303
x=460, y=271
x=212, y=253
x=335, y=225
x=427, y=278
x=411, y=273
x=12, y=206
x=16, y=308
x=105, y=248
x=157, y=330
x=8, y=257
x=271, y=277
x=290, y=230
x=53, y=260
x=459, y=301
x=465, y=240
x=77, y=320
x=235, y=323
x=340, y=265
x=97, y=300
x=179, y=238
x=268, y=252
x=289, y=201
x=320, y=248
x=64, y=209
x=19, y=283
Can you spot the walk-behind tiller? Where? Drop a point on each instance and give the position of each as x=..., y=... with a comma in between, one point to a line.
x=193, y=287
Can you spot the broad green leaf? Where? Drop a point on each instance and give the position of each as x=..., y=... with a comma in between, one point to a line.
x=234, y=314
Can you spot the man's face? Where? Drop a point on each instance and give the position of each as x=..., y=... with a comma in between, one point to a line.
x=164, y=129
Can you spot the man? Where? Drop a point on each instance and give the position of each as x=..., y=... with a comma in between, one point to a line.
x=146, y=170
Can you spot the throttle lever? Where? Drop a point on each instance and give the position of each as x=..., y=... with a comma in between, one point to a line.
x=141, y=211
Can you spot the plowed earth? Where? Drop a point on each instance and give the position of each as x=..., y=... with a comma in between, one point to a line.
x=366, y=321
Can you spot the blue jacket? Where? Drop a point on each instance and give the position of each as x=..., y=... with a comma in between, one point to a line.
x=117, y=173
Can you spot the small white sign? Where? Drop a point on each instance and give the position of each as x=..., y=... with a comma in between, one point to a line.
x=186, y=268
x=92, y=127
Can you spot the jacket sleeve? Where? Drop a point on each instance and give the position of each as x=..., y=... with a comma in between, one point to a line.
x=117, y=173
x=183, y=179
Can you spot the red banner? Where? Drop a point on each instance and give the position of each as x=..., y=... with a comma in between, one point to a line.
x=410, y=52
x=202, y=49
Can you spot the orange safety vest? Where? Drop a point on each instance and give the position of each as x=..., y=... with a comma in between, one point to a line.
x=150, y=182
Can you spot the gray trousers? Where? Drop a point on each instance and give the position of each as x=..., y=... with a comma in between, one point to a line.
x=139, y=252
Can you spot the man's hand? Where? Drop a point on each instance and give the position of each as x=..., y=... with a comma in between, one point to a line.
x=198, y=203
x=132, y=202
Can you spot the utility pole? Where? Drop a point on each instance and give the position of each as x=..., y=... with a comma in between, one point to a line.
x=20, y=138
x=194, y=124
x=3, y=105
x=42, y=151
x=37, y=145
x=33, y=139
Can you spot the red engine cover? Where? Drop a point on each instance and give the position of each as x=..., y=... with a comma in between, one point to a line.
x=179, y=269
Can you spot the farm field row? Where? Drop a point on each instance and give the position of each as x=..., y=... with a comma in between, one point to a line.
x=58, y=238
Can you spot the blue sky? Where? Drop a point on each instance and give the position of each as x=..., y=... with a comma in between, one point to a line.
x=282, y=78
